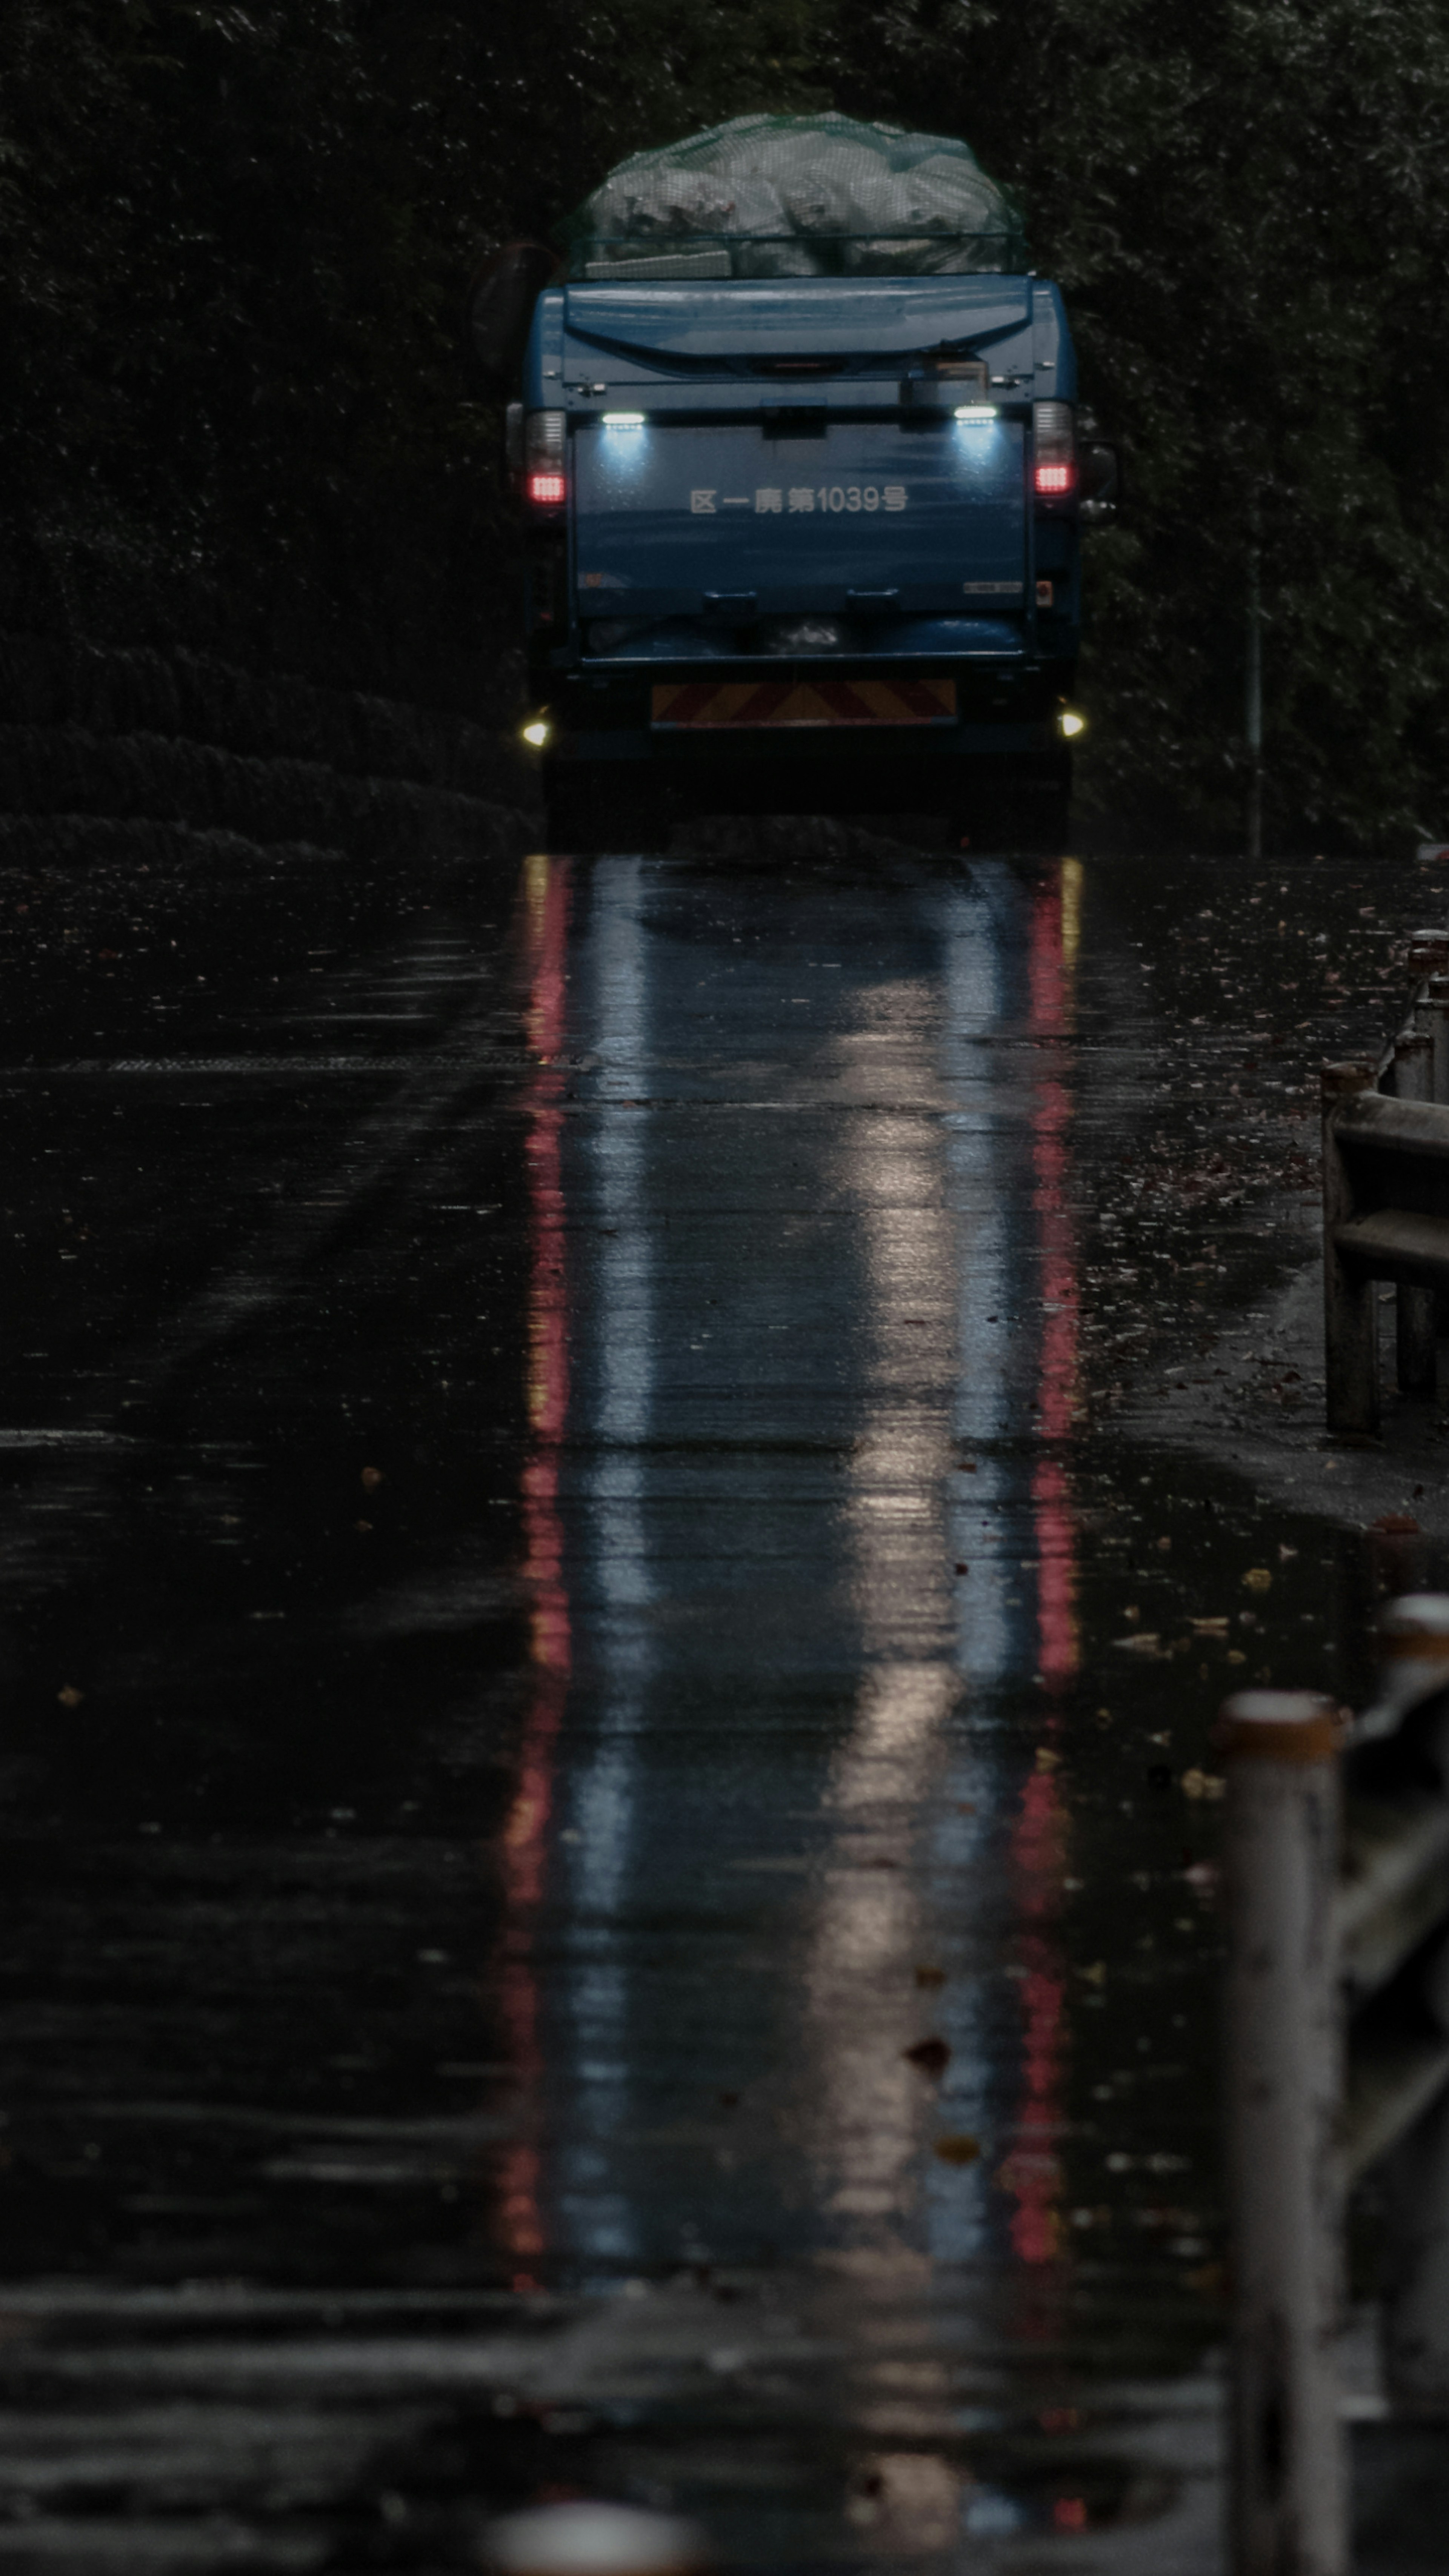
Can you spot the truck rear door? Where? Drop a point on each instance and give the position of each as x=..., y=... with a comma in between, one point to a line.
x=800, y=507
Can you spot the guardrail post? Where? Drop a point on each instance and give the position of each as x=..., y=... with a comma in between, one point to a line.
x=1413, y=1659
x=1428, y=952
x=1437, y=1015
x=1415, y=1315
x=1439, y=1033
x=1414, y=1684
x=1284, y=2082
x=1416, y=2318
x=1350, y=1347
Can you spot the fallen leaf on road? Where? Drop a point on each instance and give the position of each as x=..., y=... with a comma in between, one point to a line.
x=1046, y=1760
x=960, y=2150
x=1214, y=1627
x=928, y=1976
x=371, y=1479
x=1096, y=1975
x=1258, y=1579
x=70, y=1697
x=1397, y=1525
x=1146, y=1642
x=1202, y=1784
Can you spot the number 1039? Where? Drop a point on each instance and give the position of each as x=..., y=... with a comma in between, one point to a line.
x=849, y=497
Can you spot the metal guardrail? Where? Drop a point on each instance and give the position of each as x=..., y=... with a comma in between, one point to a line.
x=1338, y=2062
x=1386, y=1202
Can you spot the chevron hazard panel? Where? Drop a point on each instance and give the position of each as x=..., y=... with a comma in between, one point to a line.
x=729, y=706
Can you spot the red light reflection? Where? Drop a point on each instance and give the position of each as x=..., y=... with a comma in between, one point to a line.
x=1031, y=2172
x=525, y=1833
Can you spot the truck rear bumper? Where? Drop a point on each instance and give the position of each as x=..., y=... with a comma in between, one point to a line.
x=917, y=746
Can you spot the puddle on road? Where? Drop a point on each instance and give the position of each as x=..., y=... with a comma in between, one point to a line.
x=642, y=1747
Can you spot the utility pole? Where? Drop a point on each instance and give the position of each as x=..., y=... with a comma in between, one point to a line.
x=1253, y=689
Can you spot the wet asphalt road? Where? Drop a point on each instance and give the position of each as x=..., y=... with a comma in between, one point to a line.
x=606, y=1881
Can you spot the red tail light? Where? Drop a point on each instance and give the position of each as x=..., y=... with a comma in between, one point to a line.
x=1054, y=439
x=545, y=475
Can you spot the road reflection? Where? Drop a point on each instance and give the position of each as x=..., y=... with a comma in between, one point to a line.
x=1032, y=2172
x=691, y=1867
x=525, y=1839
x=800, y=1548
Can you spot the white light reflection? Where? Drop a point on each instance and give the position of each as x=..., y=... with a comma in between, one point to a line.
x=980, y=928
x=919, y=1807
x=602, y=2222
x=869, y=2104
x=982, y=934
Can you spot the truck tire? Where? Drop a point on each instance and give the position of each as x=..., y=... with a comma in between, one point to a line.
x=1030, y=818
x=589, y=815
x=1045, y=825
x=565, y=825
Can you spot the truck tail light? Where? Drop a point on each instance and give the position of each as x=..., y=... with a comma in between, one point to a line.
x=1054, y=473
x=544, y=479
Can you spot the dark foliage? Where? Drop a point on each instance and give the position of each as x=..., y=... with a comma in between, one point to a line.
x=234, y=243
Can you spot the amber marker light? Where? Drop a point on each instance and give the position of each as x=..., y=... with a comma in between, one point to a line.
x=1071, y=724
x=537, y=733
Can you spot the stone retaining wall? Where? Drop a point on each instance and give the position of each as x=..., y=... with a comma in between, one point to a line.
x=175, y=759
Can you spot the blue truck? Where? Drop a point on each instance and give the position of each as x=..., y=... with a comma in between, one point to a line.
x=803, y=545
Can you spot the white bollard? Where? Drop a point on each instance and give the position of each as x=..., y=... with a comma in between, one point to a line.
x=593, y=2539
x=1413, y=1663
x=1284, y=2083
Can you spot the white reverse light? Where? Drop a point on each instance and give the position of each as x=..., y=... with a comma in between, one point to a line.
x=1070, y=724
x=622, y=419
x=976, y=415
x=537, y=733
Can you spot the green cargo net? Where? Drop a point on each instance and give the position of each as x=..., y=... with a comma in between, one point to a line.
x=796, y=196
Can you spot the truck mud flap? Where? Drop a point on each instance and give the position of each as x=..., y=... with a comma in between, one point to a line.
x=733, y=706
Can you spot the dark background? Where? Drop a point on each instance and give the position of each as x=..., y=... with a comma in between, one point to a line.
x=235, y=418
